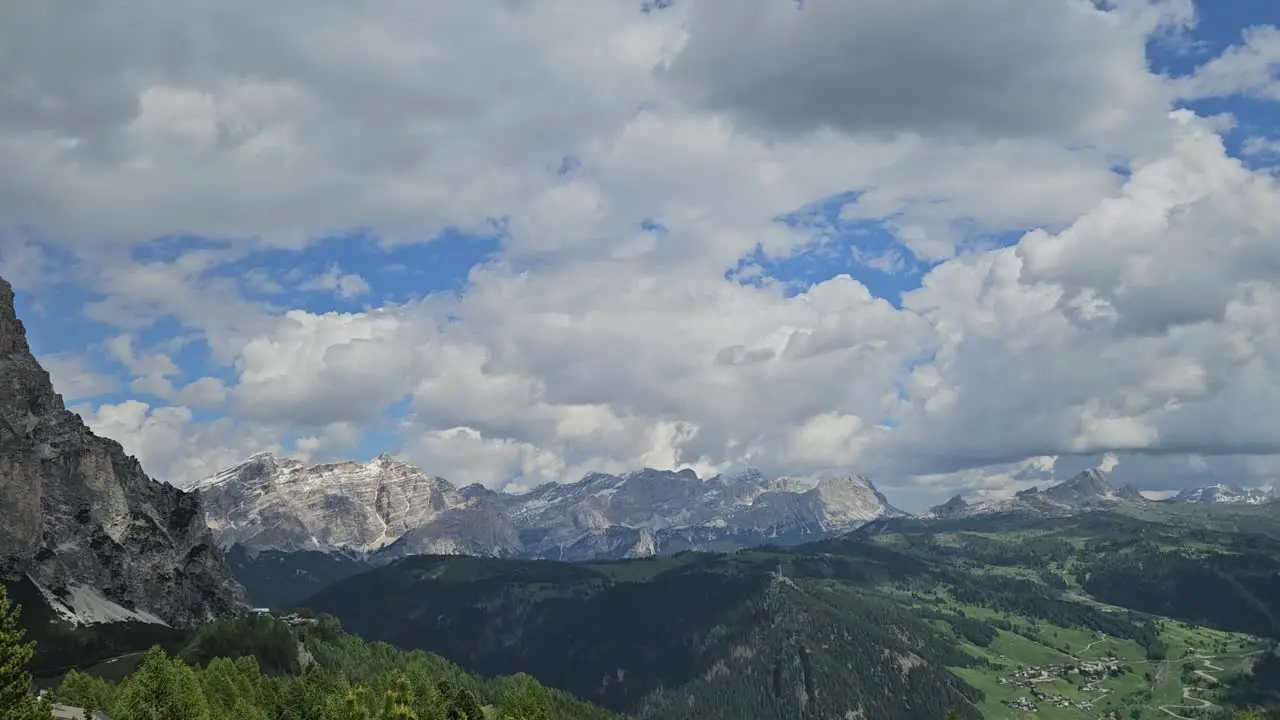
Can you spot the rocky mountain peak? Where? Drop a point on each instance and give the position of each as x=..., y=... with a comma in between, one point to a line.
x=853, y=496
x=387, y=460
x=1086, y=486
x=475, y=490
x=953, y=506
x=1130, y=493
x=847, y=481
x=82, y=520
x=13, y=336
x=26, y=392
x=746, y=477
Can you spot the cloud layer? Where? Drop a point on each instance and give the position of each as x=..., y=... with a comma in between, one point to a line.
x=1081, y=266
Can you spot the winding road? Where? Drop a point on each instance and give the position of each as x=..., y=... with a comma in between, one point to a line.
x=1186, y=691
x=1186, y=695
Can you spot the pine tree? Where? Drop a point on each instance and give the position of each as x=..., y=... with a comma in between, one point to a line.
x=16, y=699
x=356, y=704
x=526, y=701
x=163, y=688
x=399, y=701
x=459, y=703
x=82, y=690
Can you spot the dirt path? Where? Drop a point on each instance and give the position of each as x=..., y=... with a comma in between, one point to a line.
x=1206, y=658
x=1086, y=647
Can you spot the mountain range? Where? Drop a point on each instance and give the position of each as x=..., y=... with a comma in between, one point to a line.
x=1090, y=490
x=1087, y=490
x=290, y=529
x=387, y=509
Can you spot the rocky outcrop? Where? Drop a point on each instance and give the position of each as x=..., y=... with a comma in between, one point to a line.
x=81, y=518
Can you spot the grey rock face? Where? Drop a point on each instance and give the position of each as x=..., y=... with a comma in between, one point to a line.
x=273, y=503
x=83, y=520
x=955, y=507
x=270, y=503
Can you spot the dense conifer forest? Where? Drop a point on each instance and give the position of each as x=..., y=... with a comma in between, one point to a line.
x=265, y=668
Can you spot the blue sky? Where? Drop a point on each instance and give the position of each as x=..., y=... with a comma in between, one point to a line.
x=1221, y=25
x=395, y=274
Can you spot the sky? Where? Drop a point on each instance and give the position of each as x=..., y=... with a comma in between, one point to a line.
x=955, y=247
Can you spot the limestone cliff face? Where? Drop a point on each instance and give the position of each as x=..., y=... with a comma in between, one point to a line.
x=81, y=518
x=277, y=503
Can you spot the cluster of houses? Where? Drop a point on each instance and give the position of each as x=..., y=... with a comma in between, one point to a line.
x=1092, y=671
x=1031, y=704
x=1024, y=704
x=1089, y=670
